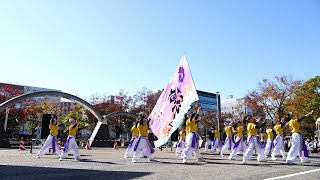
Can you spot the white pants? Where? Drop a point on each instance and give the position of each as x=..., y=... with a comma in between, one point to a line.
x=216, y=143
x=206, y=145
x=268, y=148
x=48, y=144
x=244, y=146
x=191, y=147
x=180, y=146
x=131, y=146
x=144, y=153
x=144, y=144
x=278, y=146
x=254, y=144
x=263, y=143
x=238, y=147
x=72, y=148
x=297, y=149
x=228, y=144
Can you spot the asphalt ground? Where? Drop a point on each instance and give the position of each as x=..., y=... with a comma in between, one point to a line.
x=107, y=163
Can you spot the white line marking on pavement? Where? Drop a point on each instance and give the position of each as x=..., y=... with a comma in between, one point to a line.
x=291, y=175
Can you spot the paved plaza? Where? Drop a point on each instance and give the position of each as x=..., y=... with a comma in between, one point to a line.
x=106, y=163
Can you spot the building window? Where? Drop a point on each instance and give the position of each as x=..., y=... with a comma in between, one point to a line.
x=207, y=99
x=208, y=106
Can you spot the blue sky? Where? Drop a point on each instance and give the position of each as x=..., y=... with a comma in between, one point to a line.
x=88, y=47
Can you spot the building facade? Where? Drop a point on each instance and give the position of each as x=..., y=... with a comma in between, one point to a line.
x=21, y=89
x=209, y=101
x=234, y=106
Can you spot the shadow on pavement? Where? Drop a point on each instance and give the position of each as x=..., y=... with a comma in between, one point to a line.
x=215, y=159
x=169, y=158
x=239, y=163
x=180, y=163
x=28, y=172
x=102, y=162
x=265, y=164
x=82, y=155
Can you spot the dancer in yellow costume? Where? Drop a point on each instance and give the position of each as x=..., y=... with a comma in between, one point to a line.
x=133, y=141
x=239, y=146
x=182, y=142
x=278, y=143
x=51, y=141
x=269, y=144
x=192, y=138
x=143, y=143
x=228, y=143
x=298, y=146
x=253, y=141
x=71, y=144
x=216, y=141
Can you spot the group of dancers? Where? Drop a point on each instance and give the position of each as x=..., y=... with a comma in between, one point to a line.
x=70, y=146
x=271, y=144
x=188, y=145
x=139, y=144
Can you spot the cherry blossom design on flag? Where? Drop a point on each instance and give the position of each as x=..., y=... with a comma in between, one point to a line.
x=176, y=98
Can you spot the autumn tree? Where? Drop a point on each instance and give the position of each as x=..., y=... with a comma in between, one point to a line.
x=33, y=115
x=109, y=104
x=274, y=96
x=27, y=111
x=34, y=109
x=124, y=103
x=210, y=119
x=144, y=100
x=16, y=115
x=140, y=100
x=104, y=105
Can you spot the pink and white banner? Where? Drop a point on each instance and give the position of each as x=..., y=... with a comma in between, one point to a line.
x=173, y=103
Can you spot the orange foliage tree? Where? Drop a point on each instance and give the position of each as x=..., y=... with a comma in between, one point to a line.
x=274, y=96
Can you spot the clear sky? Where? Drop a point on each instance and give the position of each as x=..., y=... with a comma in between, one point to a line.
x=88, y=47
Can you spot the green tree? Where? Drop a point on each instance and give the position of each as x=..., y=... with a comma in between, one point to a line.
x=307, y=98
x=79, y=114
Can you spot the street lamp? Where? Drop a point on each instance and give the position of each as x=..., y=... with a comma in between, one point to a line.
x=218, y=112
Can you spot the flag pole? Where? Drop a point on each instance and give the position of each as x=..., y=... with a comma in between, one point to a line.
x=184, y=54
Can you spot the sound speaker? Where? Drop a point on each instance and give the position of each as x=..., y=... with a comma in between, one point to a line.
x=45, y=125
x=175, y=135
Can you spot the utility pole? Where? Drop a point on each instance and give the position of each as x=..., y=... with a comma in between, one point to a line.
x=218, y=112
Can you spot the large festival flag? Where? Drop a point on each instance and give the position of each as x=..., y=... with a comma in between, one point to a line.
x=173, y=103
